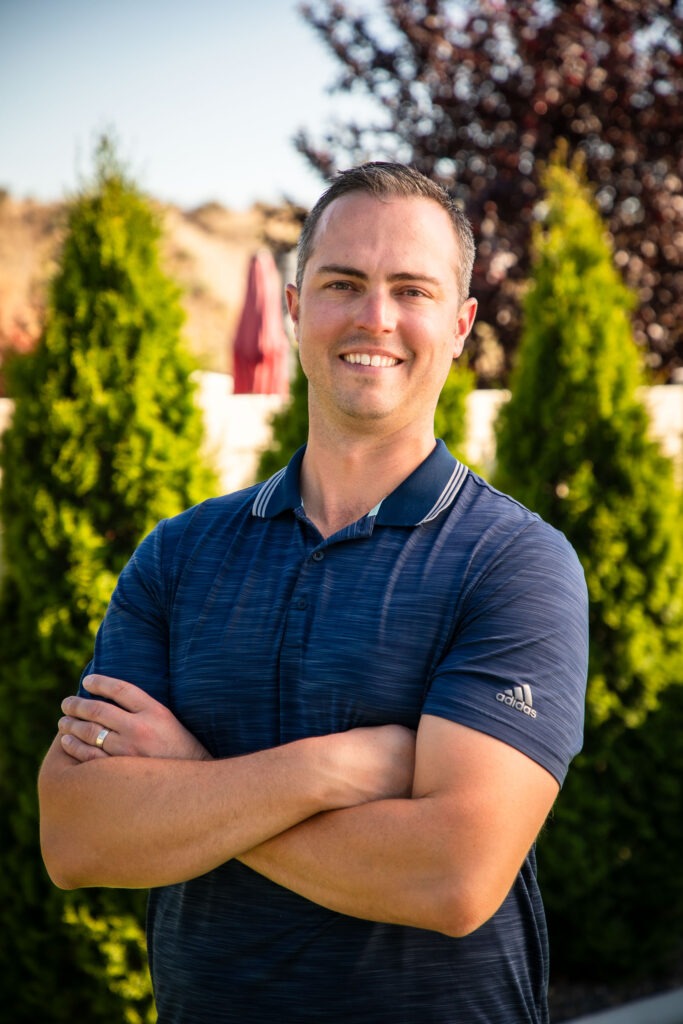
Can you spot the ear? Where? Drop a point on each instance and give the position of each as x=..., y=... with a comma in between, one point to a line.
x=464, y=322
x=292, y=296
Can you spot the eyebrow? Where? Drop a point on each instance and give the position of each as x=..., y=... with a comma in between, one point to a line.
x=340, y=268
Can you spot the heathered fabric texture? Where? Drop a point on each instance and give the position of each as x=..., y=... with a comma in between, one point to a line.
x=449, y=598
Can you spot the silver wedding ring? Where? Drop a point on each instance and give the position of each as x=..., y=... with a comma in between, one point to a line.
x=101, y=737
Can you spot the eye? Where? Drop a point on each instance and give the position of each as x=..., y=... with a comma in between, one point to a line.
x=413, y=292
x=340, y=286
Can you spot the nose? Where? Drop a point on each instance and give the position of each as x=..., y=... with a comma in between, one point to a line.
x=376, y=313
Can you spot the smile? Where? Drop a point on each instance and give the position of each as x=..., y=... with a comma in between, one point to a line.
x=363, y=359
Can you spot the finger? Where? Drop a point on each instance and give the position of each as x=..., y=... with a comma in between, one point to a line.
x=81, y=751
x=68, y=726
x=126, y=695
x=101, y=715
x=87, y=732
x=88, y=710
x=85, y=719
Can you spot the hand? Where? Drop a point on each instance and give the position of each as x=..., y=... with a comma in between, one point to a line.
x=138, y=725
x=373, y=763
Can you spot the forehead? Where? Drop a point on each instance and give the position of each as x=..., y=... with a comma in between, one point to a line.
x=410, y=233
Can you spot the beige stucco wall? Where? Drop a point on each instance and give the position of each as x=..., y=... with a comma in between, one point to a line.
x=238, y=426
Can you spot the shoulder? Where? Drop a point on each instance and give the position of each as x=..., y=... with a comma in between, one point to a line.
x=174, y=539
x=522, y=629
x=481, y=495
x=500, y=530
x=203, y=517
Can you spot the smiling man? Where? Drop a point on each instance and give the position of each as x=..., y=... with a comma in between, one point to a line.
x=340, y=704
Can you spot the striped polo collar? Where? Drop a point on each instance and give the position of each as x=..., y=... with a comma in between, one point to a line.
x=429, y=489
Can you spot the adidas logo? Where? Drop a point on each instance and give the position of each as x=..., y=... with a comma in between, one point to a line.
x=519, y=698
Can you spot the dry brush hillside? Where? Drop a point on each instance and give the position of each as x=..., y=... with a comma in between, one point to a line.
x=206, y=250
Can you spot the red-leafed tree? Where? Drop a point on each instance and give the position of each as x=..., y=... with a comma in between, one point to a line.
x=476, y=95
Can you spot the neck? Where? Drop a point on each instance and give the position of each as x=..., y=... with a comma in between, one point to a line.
x=343, y=480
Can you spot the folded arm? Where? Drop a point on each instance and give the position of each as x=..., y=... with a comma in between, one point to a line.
x=142, y=821
x=443, y=860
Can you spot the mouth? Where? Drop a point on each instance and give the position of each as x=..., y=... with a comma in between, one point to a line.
x=365, y=359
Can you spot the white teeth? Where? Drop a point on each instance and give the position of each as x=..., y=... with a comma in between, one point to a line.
x=365, y=360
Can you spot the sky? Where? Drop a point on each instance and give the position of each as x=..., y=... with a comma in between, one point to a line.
x=202, y=96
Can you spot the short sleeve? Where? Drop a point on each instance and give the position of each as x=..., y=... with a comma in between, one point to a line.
x=132, y=642
x=517, y=667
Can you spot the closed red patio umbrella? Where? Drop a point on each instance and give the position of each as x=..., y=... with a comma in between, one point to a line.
x=261, y=349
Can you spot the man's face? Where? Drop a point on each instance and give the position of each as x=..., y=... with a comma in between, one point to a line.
x=378, y=318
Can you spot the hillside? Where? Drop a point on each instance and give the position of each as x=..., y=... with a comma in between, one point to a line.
x=206, y=250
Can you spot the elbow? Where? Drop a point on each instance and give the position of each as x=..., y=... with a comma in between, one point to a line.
x=59, y=872
x=59, y=859
x=62, y=881
x=461, y=911
x=60, y=845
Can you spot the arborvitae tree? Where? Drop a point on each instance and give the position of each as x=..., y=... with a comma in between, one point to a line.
x=477, y=94
x=450, y=419
x=573, y=445
x=104, y=441
x=290, y=424
x=289, y=427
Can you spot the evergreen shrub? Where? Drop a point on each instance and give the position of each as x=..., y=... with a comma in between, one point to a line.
x=573, y=445
x=289, y=428
x=104, y=442
x=450, y=419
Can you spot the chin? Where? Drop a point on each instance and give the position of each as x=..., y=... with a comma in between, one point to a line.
x=369, y=414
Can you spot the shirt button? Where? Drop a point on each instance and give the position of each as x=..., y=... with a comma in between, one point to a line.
x=318, y=556
x=302, y=603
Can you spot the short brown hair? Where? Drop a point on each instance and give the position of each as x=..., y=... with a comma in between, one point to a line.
x=386, y=180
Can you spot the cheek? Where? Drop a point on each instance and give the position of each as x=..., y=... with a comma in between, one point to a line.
x=306, y=354
x=316, y=329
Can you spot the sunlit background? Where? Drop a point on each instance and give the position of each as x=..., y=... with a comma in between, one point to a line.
x=203, y=97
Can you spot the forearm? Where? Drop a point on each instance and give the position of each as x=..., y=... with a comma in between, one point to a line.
x=443, y=860
x=142, y=822
x=390, y=861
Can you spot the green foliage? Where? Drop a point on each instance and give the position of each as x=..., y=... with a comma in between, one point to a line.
x=450, y=419
x=476, y=96
x=104, y=442
x=609, y=859
x=290, y=424
x=573, y=445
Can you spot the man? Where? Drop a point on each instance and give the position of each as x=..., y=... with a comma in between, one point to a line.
x=271, y=652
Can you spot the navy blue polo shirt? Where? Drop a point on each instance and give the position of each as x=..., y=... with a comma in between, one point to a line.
x=447, y=598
